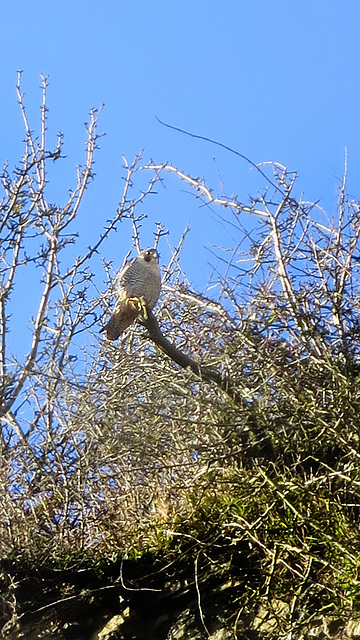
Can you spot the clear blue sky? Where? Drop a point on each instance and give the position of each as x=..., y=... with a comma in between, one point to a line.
x=274, y=80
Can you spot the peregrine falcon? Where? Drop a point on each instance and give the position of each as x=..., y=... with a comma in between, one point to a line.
x=139, y=284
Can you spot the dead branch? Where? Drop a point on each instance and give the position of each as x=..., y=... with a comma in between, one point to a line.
x=222, y=380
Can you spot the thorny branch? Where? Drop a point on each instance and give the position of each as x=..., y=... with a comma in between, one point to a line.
x=26, y=213
x=290, y=232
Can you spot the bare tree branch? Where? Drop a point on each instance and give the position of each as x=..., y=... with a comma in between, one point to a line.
x=202, y=372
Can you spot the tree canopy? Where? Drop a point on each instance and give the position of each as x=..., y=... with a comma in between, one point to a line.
x=222, y=429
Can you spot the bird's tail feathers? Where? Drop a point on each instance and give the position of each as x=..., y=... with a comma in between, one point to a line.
x=125, y=312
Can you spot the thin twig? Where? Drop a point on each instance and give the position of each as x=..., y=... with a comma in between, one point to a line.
x=199, y=595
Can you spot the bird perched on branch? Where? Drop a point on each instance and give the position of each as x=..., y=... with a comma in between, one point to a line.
x=138, y=290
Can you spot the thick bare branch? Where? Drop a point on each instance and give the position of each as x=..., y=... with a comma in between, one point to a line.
x=222, y=380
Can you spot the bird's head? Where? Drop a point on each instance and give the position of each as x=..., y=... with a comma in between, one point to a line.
x=149, y=255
